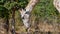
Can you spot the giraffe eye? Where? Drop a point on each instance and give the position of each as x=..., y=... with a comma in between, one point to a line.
x=27, y=13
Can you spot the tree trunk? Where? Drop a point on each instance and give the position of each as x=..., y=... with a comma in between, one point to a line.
x=13, y=22
x=26, y=13
x=7, y=25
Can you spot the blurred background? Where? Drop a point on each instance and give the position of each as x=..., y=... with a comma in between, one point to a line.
x=44, y=18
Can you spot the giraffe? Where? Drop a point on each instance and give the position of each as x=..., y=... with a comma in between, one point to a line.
x=25, y=14
x=56, y=4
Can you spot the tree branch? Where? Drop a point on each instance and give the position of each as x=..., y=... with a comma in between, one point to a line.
x=30, y=5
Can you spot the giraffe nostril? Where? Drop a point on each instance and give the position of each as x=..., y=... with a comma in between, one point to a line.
x=22, y=17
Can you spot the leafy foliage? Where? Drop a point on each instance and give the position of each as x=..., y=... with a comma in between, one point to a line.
x=46, y=11
x=45, y=8
x=20, y=3
x=10, y=4
x=3, y=12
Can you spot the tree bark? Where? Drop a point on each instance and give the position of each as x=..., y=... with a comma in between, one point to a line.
x=13, y=22
x=56, y=4
x=25, y=14
x=7, y=24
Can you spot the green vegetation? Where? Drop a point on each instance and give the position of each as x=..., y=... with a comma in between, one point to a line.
x=44, y=11
x=10, y=4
